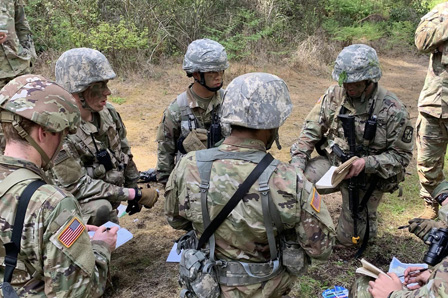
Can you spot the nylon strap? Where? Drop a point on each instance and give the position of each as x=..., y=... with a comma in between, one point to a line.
x=234, y=200
x=13, y=248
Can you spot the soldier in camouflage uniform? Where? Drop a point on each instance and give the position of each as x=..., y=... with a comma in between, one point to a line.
x=431, y=283
x=255, y=106
x=95, y=164
x=386, y=155
x=432, y=123
x=35, y=115
x=17, y=50
x=186, y=122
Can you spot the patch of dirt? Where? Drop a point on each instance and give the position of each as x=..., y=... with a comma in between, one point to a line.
x=138, y=267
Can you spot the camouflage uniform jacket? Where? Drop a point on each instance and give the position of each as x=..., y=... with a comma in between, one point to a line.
x=431, y=33
x=315, y=230
x=18, y=49
x=387, y=155
x=46, y=267
x=77, y=170
x=169, y=129
x=437, y=286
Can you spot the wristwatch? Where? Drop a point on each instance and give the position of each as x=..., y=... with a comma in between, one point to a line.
x=442, y=197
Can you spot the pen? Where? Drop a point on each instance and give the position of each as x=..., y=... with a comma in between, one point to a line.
x=417, y=271
x=403, y=227
x=107, y=229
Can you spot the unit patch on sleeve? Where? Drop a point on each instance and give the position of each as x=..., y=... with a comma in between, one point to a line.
x=315, y=202
x=407, y=134
x=71, y=232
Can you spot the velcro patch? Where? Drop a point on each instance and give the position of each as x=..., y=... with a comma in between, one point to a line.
x=315, y=202
x=407, y=134
x=62, y=155
x=71, y=232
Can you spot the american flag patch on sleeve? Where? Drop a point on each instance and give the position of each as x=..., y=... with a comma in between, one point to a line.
x=315, y=201
x=71, y=232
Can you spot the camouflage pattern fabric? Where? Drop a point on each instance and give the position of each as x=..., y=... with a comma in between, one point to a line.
x=77, y=69
x=437, y=286
x=205, y=55
x=169, y=129
x=271, y=94
x=432, y=139
x=356, y=63
x=17, y=52
x=42, y=101
x=432, y=136
x=77, y=170
x=46, y=267
x=387, y=155
x=314, y=229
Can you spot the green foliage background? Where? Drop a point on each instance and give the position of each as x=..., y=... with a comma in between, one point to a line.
x=136, y=32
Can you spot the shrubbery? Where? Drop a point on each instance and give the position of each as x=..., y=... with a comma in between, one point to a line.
x=136, y=32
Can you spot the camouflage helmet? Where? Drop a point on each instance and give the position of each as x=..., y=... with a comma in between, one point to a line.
x=256, y=100
x=77, y=68
x=356, y=63
x=41, y=101
x=205, y=55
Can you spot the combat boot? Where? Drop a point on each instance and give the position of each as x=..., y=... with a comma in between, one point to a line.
x=431, y=211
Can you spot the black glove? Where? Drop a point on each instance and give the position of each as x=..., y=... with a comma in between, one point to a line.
x=133, y=205
x=421, y=227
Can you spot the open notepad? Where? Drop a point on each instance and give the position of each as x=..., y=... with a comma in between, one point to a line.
x=369, y=269
x=335, y=175
x=123, y=235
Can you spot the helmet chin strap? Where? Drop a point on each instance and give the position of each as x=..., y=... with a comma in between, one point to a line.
x=274, y=138
x=202, y=82
x=84, y=103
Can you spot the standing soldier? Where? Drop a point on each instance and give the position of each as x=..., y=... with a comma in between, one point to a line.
x=95, y=164
x=360, y=118
x=17, y=48
x=47, y=251
x=243, y=248
x=191, y=122
x=432, y=123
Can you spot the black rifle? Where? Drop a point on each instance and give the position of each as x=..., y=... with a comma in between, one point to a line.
x=214, y=134
x=348, y=125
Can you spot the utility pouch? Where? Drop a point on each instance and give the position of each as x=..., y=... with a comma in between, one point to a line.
x=103, y=157
x=193, y=142
x=197, y=275
x=294, y=258
x=391, y=184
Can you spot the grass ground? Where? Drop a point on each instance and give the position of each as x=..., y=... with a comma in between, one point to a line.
x=138, y=268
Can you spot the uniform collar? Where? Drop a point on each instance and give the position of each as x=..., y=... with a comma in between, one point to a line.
x=193, y=101
x=21, y=163
x=231, y=142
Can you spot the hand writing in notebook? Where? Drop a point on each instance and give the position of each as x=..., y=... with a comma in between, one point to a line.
x=384, y=285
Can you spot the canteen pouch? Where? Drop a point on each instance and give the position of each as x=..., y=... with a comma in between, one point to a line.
x=197, y=276
x=294, y=258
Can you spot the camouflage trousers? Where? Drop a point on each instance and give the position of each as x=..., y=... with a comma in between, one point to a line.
x=314, y=170
x=432, y=139
x=345, y=227
x=98, y=212
x=360, y=288
x=4, y=81
x=276, y=287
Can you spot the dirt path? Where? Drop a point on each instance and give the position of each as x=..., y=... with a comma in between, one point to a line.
x=139, y=268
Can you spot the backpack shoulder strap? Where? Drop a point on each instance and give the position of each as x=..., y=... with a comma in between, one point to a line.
x=12, y=248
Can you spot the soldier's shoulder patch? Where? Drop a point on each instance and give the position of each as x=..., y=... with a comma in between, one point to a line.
x=71, y=232
x=316, y=200
x=62, y=155
x=407, y=134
